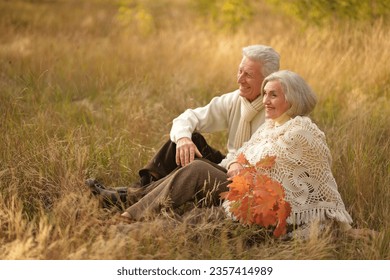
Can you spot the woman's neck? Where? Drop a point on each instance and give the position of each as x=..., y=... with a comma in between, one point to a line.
x=282, y=119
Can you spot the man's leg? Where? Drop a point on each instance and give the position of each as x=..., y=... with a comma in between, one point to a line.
x=110, y=197
x=164, y=162
x=121, y=197
x=201, y=181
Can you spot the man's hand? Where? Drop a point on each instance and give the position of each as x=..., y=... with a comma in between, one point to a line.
x=186, y=151
x=234, y=168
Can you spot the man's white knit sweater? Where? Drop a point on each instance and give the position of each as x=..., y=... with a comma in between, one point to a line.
x=222, y=113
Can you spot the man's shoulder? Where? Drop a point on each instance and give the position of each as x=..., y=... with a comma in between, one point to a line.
x=227, y=97
x=233, y=94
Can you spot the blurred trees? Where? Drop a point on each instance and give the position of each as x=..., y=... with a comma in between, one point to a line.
x=226, y=14
x=325, y=11
x=147, y=16
x=136, y=14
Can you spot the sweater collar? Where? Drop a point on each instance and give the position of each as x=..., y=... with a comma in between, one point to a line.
x=282, y=119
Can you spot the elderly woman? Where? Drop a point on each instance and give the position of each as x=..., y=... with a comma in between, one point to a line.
x=303, y=160
x=302, y=167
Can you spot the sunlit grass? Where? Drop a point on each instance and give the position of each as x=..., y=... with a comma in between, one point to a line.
x=82, y=95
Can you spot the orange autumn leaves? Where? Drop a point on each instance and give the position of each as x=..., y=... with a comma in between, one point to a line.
x=257, y=199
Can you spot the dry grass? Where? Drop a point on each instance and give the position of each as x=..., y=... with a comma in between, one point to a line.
x=82, y=95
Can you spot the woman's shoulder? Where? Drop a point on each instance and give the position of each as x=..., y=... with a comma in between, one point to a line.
x=304, y=124
x=298, y=123
x=301, y=121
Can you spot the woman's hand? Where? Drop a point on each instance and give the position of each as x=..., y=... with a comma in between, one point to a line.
x=234, y=168
x=186, y=151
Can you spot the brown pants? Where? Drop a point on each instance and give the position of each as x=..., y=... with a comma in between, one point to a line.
x=201, y=181
x=164, y=161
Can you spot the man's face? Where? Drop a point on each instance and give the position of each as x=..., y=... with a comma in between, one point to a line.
x=249, y=77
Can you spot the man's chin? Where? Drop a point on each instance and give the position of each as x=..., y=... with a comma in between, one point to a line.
x=243, y=94
x=247, y=96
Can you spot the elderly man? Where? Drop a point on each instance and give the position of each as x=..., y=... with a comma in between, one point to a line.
x=239, y=112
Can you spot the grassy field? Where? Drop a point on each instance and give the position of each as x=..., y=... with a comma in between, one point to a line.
x=89, y=90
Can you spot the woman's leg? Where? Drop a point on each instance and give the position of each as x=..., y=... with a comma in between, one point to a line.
x=201, y=181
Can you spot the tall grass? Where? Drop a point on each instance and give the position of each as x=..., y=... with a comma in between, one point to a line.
x=84, y=93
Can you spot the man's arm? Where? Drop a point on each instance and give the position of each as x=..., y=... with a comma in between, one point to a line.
x=210, y=118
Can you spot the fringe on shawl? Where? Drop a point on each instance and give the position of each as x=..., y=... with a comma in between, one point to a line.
x=319, y=214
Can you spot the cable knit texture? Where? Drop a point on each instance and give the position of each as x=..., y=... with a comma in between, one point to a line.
x=303, y=167
x=248, y=111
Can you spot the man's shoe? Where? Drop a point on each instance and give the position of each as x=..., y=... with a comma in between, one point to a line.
x=108, y=197
x=94, y=186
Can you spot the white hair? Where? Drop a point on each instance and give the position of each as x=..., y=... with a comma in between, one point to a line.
x=297, y=92
x=266, y=55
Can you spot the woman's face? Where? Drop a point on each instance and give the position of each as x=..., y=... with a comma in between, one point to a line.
x=274, y=100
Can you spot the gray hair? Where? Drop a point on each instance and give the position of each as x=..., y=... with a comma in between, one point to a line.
x=268, y=57
x=297, y=92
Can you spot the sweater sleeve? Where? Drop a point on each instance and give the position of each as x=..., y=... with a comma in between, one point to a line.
x=211, y=118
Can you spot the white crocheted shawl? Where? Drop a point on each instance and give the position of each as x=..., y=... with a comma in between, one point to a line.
x=303, y=167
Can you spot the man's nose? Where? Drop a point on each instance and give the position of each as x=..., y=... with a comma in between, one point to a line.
x=240, y=78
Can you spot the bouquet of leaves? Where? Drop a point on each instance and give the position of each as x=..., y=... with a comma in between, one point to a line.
x=257, y=199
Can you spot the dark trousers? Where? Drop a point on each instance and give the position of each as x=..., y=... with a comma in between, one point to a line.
x=163, y=164
x=164, y=161
x=200, y=182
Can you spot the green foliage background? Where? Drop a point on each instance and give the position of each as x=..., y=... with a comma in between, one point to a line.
x=325, y=11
